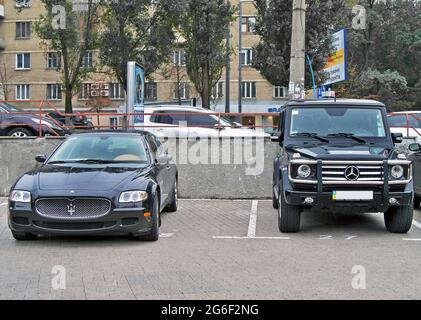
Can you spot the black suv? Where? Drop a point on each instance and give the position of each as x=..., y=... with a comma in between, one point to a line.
x=338, y=156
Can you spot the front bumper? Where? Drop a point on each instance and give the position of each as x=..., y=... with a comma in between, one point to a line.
x=120, y=221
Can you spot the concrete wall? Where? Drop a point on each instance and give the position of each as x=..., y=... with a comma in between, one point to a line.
x=239, y=178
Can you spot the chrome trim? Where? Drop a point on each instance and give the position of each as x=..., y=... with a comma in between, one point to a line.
x=72, y=218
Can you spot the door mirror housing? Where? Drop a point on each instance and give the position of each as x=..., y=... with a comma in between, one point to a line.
x=164, y=159
x=397, y=138
x=219, y=127
x=41, y=158
x=415, y=147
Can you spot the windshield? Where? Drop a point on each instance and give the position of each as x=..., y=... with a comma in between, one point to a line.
x=102, y=149
x=358, y=122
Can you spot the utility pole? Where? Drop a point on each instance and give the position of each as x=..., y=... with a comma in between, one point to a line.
x=228, y=69
x=298, y=50
x=240, y=66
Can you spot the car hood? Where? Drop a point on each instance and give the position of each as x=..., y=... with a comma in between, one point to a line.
x=98, y=178
x=329, y=152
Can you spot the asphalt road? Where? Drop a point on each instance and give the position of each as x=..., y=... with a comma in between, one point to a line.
x=222, y=250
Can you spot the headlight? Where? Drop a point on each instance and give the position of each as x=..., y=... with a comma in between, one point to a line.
x=20, y=196
x=304, y=171
x=133, y=196
x=397, y=172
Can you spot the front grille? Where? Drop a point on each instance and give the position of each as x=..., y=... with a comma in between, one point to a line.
x=72, y=226
x=352, y=173
x=73, y=209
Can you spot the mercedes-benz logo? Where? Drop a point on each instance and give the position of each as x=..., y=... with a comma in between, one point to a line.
x=352, y=173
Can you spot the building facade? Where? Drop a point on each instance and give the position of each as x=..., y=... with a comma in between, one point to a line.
x=30, y=73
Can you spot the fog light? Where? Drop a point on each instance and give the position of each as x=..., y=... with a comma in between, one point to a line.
x=393, y=201
x=309, y=201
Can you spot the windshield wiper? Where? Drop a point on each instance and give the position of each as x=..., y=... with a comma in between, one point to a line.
x=348, y=135
x=310, y=135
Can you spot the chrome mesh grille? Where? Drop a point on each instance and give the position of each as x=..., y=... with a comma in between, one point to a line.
x=73, y=209
x=335, y=172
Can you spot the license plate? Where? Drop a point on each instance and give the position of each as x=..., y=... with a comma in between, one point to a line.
x=352, y=195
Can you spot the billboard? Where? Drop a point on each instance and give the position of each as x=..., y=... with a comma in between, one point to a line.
x=336, y=67
x=135, y=93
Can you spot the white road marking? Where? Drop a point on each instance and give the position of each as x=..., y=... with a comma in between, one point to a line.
x=253, y=220
x=3, y=204
x=253, y=238
x=417, y=224
x=411, y=239
x=166, y=235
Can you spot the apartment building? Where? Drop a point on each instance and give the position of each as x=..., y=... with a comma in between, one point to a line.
x=29, y=72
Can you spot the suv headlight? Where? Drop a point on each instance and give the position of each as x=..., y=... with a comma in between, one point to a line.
x=133, y=196
x=20, y=196
x=397, y=172
x=304, y=171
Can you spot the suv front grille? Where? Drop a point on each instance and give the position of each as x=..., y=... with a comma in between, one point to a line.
x=73, y=209
x=357, y=173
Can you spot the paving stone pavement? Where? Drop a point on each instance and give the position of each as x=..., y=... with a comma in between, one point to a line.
x=193, y=260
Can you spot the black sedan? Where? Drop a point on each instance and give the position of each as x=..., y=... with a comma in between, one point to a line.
x=96, y=184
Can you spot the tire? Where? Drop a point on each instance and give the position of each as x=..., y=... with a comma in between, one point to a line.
x=275, y=201
x=153, y=235
x=399, y=219
x=289, y=217
x=417, y=202
x=20, y=132
x=173, y=205
x=24, y=237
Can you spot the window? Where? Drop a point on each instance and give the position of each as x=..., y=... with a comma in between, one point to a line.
x=23, y=92
x=151, y=92
x=397, y=121
x=181, y=91
x=179, y=58
x=23, y=30
x=248, y=24
x=280, y=92
x=246, y=56
x=23, y=3
x=169, y=117
x=197, y=119
x=53, y=60
x=113, y=123
x=88, y=60
x=218, y=91
x=54, y=92
x=116, y=91
x=85, y=92
x=248, y=90
x=23, y=61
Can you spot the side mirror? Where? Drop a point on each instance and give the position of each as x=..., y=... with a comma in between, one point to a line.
x=41, y=158
x=275, y=137
x=218, y=127
x=415, y=147
x=164, y=159
x=397, y=137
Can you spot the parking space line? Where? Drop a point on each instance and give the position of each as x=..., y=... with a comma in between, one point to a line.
x=417, y=224
x=3, y=204
x=253, y=220
x=252, y=238
x=411, y=239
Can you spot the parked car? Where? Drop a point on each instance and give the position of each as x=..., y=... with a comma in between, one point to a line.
x=193, y=122
x=96, y=183
x=338, y=156
x=415, y=157
x=15, y=122
x=407, y=123
x=80, y=121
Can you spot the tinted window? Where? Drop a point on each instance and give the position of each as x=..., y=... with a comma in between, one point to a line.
x=201, y=120
x=169, y=117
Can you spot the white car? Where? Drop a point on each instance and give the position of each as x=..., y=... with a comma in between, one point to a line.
x=408, y=123
x=176, y=121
